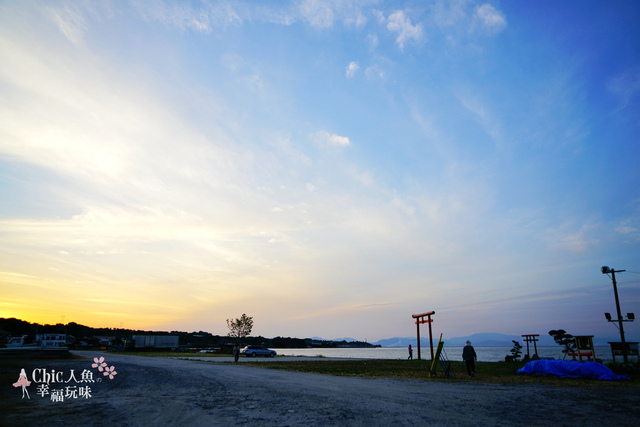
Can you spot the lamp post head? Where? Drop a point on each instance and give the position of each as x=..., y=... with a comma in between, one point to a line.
x=605, y=270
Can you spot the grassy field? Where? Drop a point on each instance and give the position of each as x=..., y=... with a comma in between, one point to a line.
x=486, y=372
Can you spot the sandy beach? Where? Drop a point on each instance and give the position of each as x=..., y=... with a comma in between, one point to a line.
x=159, y=391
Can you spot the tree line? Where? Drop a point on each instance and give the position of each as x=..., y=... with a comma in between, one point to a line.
x=12, y=327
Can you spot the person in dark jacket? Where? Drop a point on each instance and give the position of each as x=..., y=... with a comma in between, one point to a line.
x=469, y=356
x=236, y=352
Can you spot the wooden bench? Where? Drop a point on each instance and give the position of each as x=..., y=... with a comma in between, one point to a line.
x=616, y=349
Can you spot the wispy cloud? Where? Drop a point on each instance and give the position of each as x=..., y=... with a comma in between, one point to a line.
x=490, y=18
x=399, y=23
x=331, y=139
x=374, y=72
x=70, y=19
x=625, y=85
x=463, y=19
x=352, y=68
x=325, y=13
x=319, y=13
x=186, y=17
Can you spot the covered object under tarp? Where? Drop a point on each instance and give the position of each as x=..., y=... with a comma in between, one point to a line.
x=570, y=369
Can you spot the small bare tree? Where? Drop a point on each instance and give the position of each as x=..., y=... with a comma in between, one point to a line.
x=240, y=328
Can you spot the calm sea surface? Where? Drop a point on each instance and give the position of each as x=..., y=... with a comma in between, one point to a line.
x=485, y=354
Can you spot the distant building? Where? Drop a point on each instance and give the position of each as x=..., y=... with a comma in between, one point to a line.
x=52, y=340
x=17, y=341
x=156, y=341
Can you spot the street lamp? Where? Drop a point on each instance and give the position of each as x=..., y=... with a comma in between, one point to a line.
x=630, y=316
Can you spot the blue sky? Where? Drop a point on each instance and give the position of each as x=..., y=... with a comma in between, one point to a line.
x=329, y=168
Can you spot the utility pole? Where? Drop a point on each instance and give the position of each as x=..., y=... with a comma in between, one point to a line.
x=613, y=272
x=615, y=293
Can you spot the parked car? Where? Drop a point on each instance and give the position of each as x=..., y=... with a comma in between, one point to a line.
x=257, y=350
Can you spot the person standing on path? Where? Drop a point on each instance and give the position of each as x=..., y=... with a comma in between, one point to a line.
x=410, y=353
x=469, y=356
x=236, y=352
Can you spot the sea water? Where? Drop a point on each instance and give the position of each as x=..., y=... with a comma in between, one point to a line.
x=485, y=354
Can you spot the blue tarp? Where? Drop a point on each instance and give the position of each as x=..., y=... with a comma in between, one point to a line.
x=570, y=369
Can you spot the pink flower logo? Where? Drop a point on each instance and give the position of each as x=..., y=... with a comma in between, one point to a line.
x=111, y=372
x=100, y=364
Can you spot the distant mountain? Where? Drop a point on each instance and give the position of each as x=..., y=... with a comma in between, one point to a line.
x=478, y=340
x=492, y=340
x=402, y=342
x=482, y=340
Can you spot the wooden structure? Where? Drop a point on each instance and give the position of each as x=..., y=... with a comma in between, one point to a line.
x=420, y=319
x=440, y=356
x=531, y=338
x=584, y=348
x=616, y=349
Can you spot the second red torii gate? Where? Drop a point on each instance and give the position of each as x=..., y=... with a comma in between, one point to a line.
x=420, y=320
x=531, y=338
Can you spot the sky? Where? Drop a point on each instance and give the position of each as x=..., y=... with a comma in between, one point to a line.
x=327, y=167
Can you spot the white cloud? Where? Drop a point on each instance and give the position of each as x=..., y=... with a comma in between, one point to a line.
x=351, y=69
x=401, y=24
x=325, y=13
x=459, y=19
x=359, y=20
x=326, y=138
x=379, y=15
x=490, y=18
x=319, y=13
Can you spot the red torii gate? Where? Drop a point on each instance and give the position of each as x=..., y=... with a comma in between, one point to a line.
x=420, y=320
x=531, y=338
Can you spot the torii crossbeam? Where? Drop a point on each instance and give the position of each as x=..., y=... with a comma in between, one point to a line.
x=420, y=319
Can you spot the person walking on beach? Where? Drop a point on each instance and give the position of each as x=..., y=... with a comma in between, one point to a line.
x=469, y=356
x=236, y=352
x=410, y=353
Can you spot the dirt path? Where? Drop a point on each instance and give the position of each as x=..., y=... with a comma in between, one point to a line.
x=156, y=391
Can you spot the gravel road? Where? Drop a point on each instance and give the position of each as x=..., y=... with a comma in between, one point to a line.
x=159, y=391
